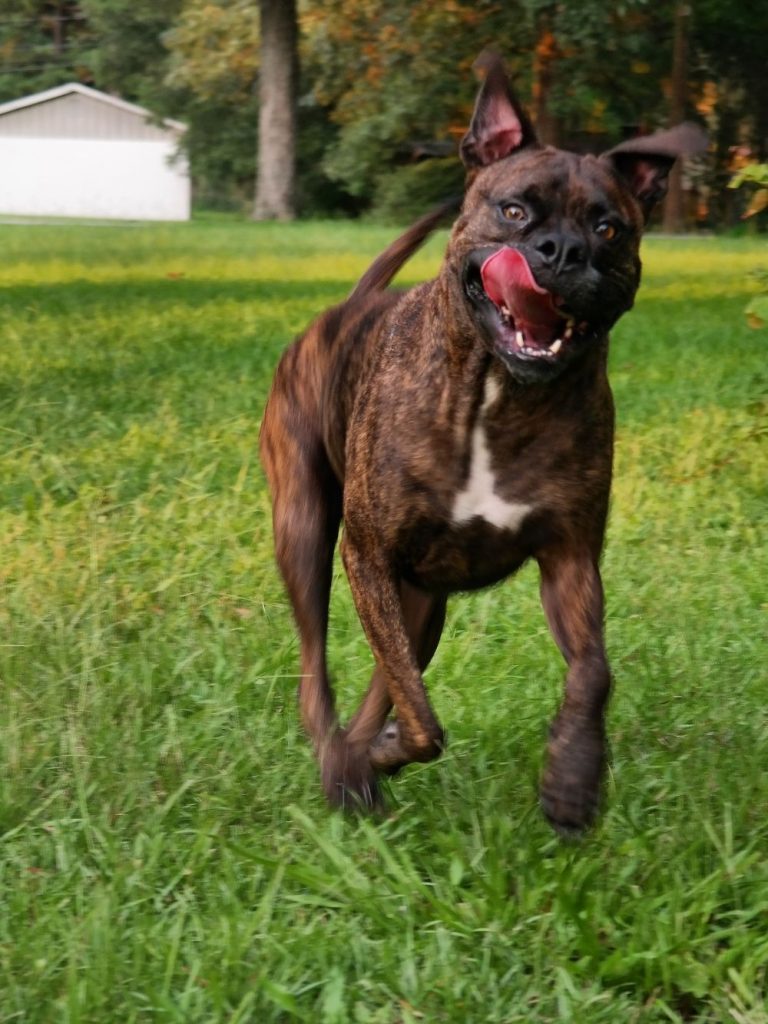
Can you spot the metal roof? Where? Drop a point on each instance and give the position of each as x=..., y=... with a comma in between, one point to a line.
x=94, y=94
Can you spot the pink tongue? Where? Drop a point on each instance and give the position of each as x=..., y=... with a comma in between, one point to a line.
x=508, y=281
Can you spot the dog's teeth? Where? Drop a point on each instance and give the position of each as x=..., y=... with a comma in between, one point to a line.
x=555, y=347
x=568, y=332
x=519, y=339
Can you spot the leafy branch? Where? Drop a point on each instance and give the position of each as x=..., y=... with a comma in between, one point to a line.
x=755, y=174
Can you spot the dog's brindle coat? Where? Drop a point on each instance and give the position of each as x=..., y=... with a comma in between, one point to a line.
x=453, y=456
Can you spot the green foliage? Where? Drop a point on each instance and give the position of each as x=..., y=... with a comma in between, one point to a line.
x=395, y=75
x=731, y=39
x=399, y=74
x=114, y=45
x=756, y=174
x=753, y=174
x=221, y=142
x=165, y=853
x=211, y=67
x=126, y=52
x=317, y=195
x=39, y=47
x=214, y=48
x=608, y=63
x=407, y=192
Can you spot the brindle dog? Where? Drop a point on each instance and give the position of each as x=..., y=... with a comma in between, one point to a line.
x=459, y=429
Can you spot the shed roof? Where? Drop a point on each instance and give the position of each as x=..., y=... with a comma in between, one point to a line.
x=94, y=94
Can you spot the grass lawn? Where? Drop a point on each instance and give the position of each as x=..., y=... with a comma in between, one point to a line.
x=165, y=854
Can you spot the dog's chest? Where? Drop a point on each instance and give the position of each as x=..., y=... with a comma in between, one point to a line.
x=485, y=530
x=479, y=497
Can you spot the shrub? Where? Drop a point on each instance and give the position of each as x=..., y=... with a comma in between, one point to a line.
x=407, y=192
x=756, y=174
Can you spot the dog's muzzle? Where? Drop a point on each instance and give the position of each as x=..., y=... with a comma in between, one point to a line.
x=534, y=330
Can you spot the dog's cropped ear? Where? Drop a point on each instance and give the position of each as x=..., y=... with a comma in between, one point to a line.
x=644, y=163
x=499, y=125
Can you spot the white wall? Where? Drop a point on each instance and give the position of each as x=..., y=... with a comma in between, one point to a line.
x=121, y=179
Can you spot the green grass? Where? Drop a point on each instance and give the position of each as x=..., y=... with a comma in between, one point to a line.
x=165, y=854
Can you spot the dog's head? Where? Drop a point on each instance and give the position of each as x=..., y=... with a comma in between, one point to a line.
x=547, y=246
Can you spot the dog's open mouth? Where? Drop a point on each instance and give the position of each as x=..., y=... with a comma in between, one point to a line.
x=530, y=322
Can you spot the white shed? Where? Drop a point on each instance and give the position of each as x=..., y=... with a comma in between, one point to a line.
x=76, y=152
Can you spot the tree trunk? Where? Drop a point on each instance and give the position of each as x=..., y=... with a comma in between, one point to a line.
x=545, y=59
x=277, y=111
x=674, y=205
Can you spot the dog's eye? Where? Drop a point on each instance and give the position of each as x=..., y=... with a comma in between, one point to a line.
x=606, y=230
x=513, y=211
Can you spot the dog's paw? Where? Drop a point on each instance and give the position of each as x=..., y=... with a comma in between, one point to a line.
x=349, y=779
x=570, y=807
x=571, y=786
x=390, y=750
x=386, y=752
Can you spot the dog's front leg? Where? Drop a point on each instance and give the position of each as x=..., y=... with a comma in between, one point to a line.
x=572, y=596
x=424, y=617
x=376, y=590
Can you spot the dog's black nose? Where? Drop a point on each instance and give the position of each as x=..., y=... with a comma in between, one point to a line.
x=562, y=251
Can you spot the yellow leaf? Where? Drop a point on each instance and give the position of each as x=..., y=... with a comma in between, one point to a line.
x=757, y=203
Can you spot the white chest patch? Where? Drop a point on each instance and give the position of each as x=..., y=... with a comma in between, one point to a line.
x=479, y=497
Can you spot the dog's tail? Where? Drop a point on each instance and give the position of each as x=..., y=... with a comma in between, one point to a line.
x=384, y=267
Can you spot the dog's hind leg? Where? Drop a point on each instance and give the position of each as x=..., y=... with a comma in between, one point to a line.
x=306, y=506
x=424, y=617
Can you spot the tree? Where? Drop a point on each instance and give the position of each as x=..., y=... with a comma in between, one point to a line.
x=729, y=42
x=394, y=76
x=126, y=53
x=545, y=59
x=275, y=182
x=212, y=75
x=41, y=45
x=384, y=85
x=674, y=212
